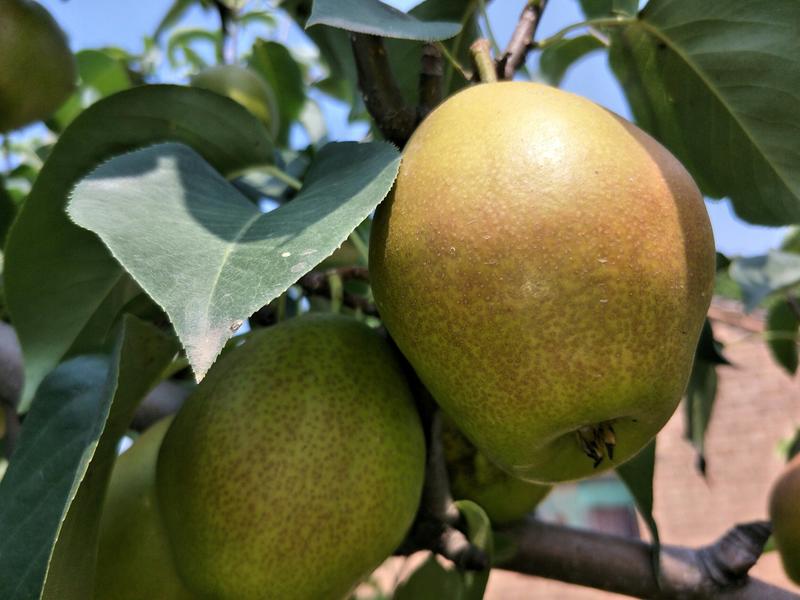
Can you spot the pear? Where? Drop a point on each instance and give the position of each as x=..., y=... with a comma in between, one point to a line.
x=37, y=69
x=784, y=511
x=244, y=86
x=134, y=559
x=505, y=499
x=545, y=266
x=296, y=466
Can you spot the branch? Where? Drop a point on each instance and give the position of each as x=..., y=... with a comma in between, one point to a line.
x=164, y=400
x=437, y=526
x=317, y=283
x=384, y=100
x=624, y=565
x=430, y=80
x=522, y=39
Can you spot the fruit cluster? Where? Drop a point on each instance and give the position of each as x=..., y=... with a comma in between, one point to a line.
x=543, y=265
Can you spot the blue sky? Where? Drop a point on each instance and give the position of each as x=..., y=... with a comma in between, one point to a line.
x=93, y=23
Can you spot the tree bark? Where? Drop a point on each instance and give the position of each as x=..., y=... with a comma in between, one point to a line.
x=624, y=565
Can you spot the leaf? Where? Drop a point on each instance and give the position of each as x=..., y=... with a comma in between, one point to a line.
x=637, y=474
x=184, y=38
x=479, y=532
x=52, y=492
x=708, y=348
x=101, y=75
x=701, y=393
x=276, y=65
x=603, y=8
x=760, y=276
x=405, y=56
x=8, y=210
x=376, y=18
x=556, y=59
x=782, y=329
x=717, y=83
x=431, y=581
x=204, y=252
x=174, y=14
x=55, y=268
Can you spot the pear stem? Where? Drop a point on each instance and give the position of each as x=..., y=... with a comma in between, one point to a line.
x=481, y=51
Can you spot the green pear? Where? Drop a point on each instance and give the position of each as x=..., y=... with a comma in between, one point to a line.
x=246, y=87
x=37, y=69
x=473, y=477
x=134, y=559
x=546, y=267
x=296, y=466
x=784, y=511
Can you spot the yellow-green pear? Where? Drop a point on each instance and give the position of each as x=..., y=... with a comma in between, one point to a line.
x=296, y=466
x=473, y=477
x=546, y=267
x=784, y=511
x=134, y=559
x=37, y=69
x=246, y=87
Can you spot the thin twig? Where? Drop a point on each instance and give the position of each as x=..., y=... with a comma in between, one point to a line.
x=522, y=39
x=382, y=97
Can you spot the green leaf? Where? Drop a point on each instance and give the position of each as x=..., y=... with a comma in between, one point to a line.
x=603, y=8
x=405, y=57
x=53, y=267
x=184, y=38
x=376, y=18
x=276, y=65
x=708, y=348
x=637, y=474
x=782, y=329
x=556, y=59
x=701, y=393
x=717, y=82
x=431, y=581
x=101, y=75
x=52, y=492
x=8, y=210
x=760, y=276
x=479, y=532
x=204, y=252
x=174, y=14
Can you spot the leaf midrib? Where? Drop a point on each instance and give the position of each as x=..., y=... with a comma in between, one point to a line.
x=653, y=30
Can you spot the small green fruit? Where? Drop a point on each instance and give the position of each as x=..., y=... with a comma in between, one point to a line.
x=546, y=267
x=473, y=477
x=296, y=466
x=784, y=511
x=244, y=86
x=37, y=69
x=134, y=558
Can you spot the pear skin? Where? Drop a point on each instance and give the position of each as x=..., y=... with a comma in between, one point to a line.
x=296, y=466
x=505, y=499
x=37, y=69
x=784, y=511
x=545, y=266
x=134, y=559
